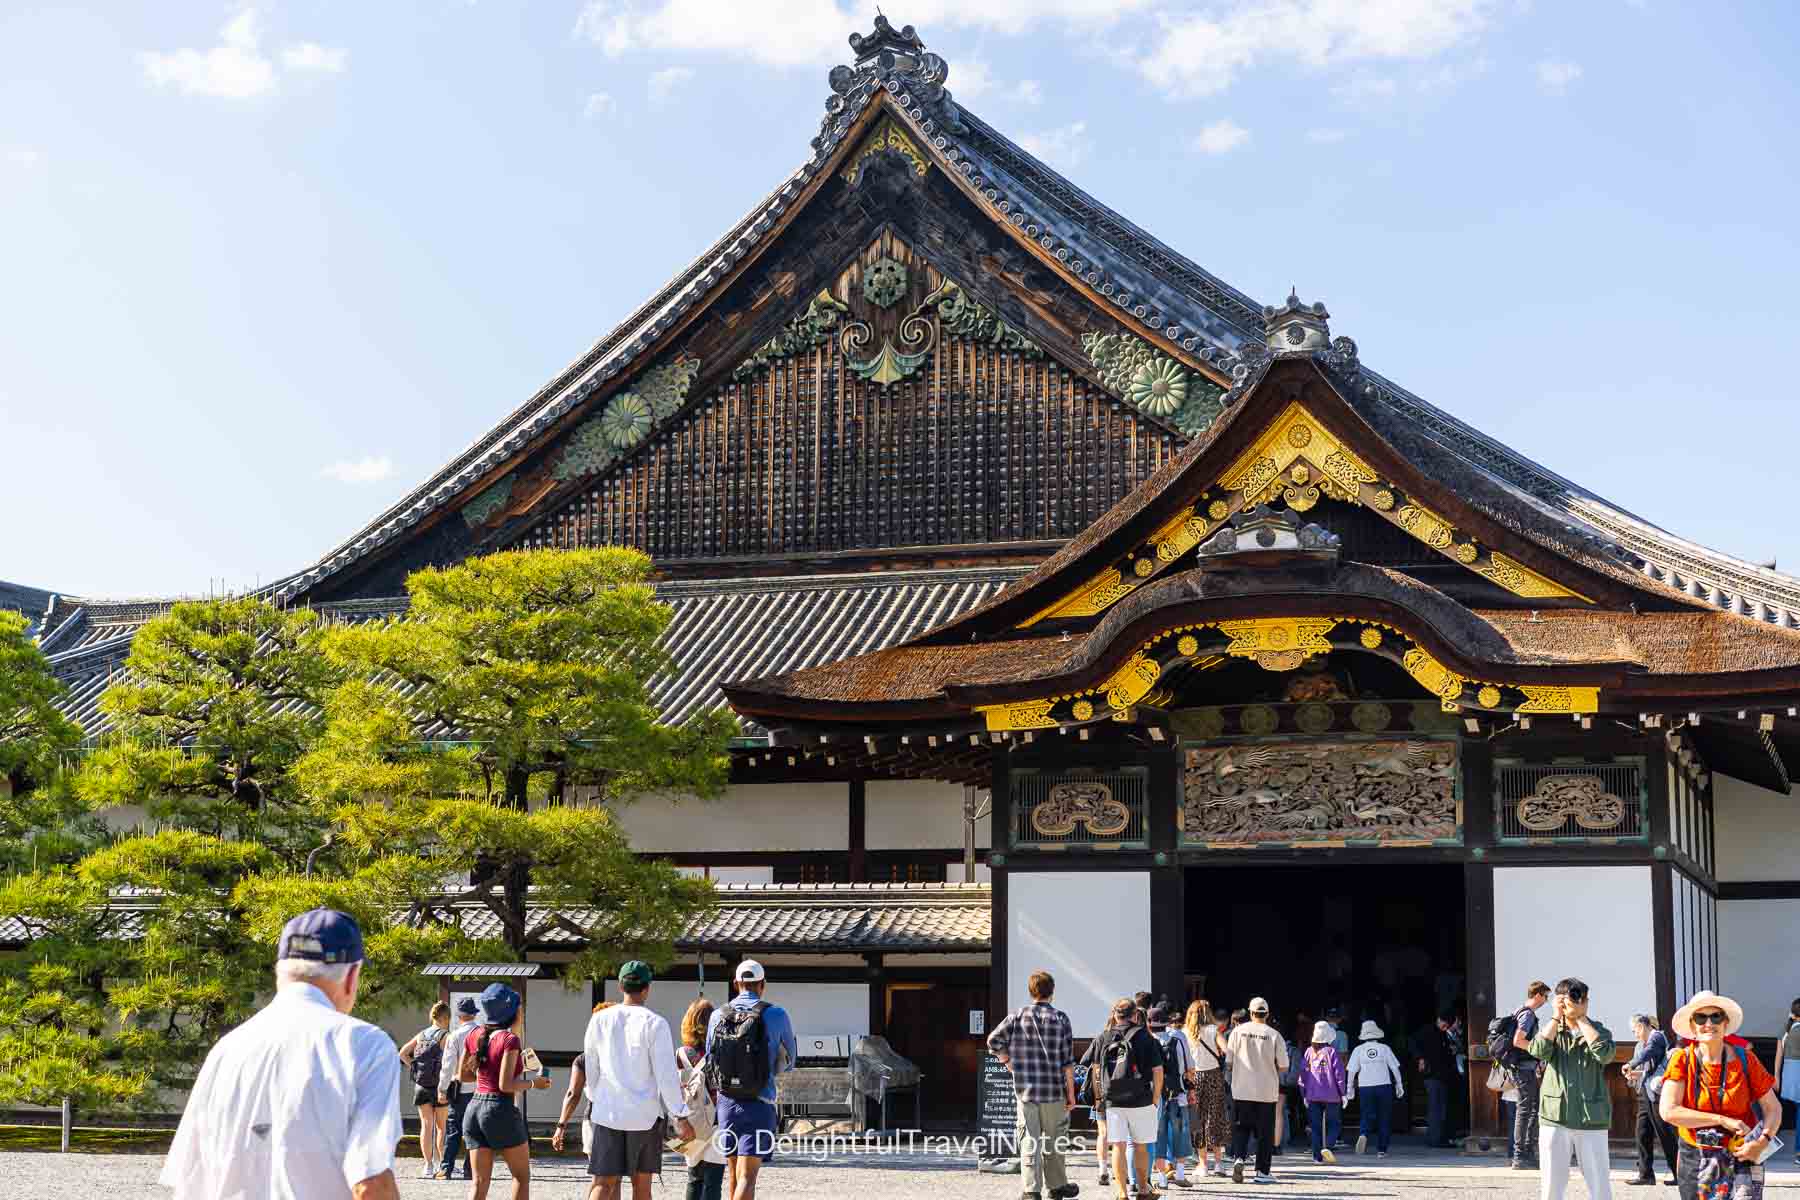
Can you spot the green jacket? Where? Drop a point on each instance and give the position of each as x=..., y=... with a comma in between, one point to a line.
x=1573, y=1093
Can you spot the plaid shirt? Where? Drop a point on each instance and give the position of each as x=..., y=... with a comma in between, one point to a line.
x=1040, y=1045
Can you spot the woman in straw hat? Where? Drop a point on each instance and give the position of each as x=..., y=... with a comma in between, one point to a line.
x=1717, y=1096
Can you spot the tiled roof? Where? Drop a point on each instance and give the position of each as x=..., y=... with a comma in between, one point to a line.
x=847, y=917
x=724, y=629
x=819, y=918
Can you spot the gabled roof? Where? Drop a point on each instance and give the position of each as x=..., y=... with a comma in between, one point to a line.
x=1172, y=302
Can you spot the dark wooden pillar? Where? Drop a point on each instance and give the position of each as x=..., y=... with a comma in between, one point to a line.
x=1662, y=878
x=1478, y=928
x=1168, y=903
x=1478, y=919
x=999, y=863
x=877, y=974
x=1662, y=934
x=859, y=830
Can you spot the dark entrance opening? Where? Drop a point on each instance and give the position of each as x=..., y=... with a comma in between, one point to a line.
x=1377, y=941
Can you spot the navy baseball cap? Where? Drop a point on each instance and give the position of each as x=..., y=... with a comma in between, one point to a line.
x=499, y=1005
x=466, y=1006
x=322, y=935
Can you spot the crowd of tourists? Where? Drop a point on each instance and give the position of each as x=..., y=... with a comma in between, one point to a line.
x=1169, y=1089
x=303, y=1100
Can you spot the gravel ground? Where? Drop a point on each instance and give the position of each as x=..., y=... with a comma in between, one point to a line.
x=928, y=1176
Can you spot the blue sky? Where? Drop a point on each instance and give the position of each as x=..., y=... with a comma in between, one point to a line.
x=264, y=268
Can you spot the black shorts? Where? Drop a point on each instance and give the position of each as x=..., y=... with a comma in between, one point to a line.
x=622, y=1152
x=424, y=1097
x=493, y=1122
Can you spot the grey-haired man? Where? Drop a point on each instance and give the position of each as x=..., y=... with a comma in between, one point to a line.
x=301, y=1100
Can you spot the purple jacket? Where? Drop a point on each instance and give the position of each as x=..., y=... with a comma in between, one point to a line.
x=1322, y=1074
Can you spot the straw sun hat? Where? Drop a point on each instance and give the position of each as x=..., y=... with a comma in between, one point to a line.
x=1682, y=1023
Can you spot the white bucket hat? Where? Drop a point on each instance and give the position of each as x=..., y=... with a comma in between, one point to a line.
x=1322, y=1034
x=1370, y=1032
x=1682, y=1023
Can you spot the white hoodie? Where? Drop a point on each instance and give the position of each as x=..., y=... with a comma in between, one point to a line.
x=1372, y=1064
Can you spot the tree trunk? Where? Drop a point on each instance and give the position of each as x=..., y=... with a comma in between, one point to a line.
x=517, y=882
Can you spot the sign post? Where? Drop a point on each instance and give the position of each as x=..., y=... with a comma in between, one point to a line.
x=997, y=1109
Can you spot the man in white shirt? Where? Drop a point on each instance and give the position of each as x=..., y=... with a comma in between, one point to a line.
x=631, y=1081
x=302, y=1101
x=1258, y=1055
x=451, y=1093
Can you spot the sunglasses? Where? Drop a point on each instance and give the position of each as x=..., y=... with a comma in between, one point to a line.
x=1709, y=1018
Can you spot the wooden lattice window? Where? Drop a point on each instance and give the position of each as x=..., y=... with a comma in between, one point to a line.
x=1578, y=801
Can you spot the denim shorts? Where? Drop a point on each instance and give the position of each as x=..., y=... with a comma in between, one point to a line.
x=493, y=1122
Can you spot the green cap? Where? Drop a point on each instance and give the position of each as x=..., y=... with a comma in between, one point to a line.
x=635, y=974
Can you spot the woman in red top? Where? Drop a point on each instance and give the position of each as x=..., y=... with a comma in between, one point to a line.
x=492, y=1124
x=1715, y=1094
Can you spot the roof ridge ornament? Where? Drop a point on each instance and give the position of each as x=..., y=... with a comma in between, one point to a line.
x=895, y=61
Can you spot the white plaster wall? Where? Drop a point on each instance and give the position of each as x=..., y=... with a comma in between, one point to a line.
x=823, y=1008
x=555, y=1017
x=670, y=999
x=954, y=873
x=917, y=814
x=1593, y=923
x=814, y=1008
x=776, y=816
x=1759, y=940
x=1089, y=929
x=1756, y=832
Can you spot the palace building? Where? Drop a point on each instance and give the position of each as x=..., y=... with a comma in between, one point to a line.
x=1084, y=613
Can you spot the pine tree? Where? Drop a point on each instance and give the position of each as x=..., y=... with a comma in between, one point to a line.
x=528, y=674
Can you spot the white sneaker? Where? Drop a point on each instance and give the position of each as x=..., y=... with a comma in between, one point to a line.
x=1362, y=1143
x=1261, y=1178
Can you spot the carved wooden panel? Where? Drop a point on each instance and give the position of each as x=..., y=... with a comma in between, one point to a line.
x=895, y=411
x=1099, y=809
x=1323, y=793
x=1570, y=801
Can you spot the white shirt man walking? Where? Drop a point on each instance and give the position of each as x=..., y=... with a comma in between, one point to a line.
x=302, y=1101
x=1258, y=1055
x=451, y=1092
x=631, y=1080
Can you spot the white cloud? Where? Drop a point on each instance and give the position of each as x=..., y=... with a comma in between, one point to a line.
x=237, y=68
x=788, y=33
x=24, y=158
x=599, y=104
x=363, y=470
x=1221, y=137
x=973, y=80
x=1203, y=54
x=1326, y=137
x=664, y=83
x=310, y=56
x=1063, y=147
x=1555, y=75
x=234, y=69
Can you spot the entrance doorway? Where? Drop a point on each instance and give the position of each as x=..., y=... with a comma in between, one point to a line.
x=929, y=1023
x=1379, y=942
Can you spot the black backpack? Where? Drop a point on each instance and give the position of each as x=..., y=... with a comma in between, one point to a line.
x=428, y=1062
x=1500, y=1046
x=739, y=1057
x=1121, y=1083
